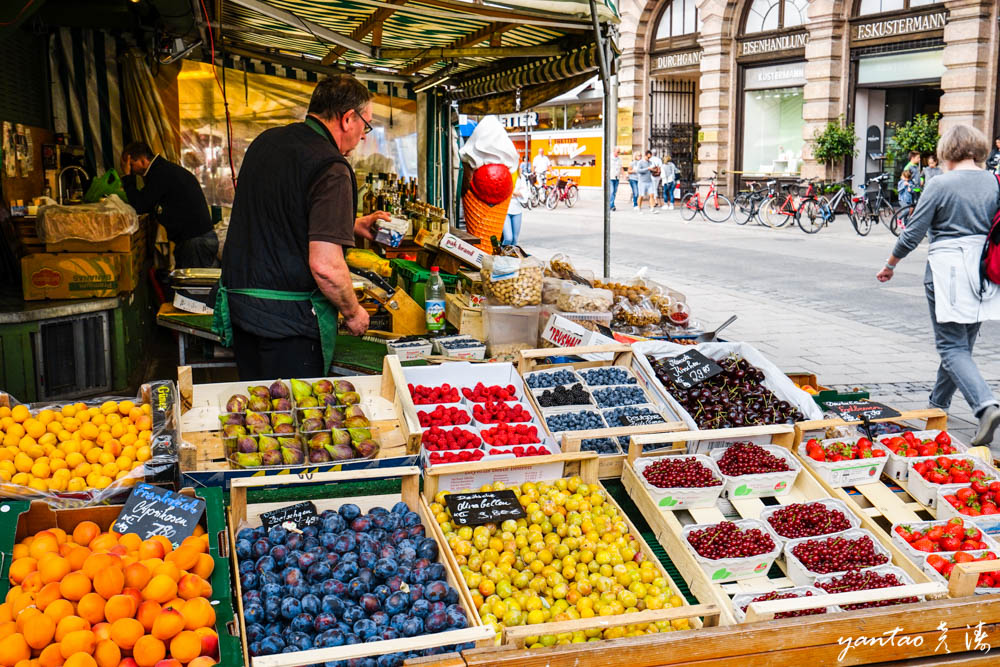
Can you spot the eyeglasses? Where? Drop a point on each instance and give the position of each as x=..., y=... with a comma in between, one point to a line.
x=368, y=126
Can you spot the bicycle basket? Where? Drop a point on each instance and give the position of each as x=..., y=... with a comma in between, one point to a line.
x=562, y=183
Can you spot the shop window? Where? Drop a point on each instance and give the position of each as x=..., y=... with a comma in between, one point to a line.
x=585, y=115
x=766, y=15
x=549, y=118
x=879, y=6
x=680, y=17
x=772, y=130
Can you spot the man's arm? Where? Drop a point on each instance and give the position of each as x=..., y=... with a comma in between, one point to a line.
x=329, y=269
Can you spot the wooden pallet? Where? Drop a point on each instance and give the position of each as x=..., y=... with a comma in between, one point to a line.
x=700, y=615
x=668, y=527
x=241, y=514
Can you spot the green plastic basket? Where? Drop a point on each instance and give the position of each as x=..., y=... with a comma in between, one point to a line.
x=413, y=278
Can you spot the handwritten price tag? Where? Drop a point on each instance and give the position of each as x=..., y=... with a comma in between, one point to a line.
x=299, y=515
x=690, y=368
x=852, y=411
x=152, y=510
x=473, y=509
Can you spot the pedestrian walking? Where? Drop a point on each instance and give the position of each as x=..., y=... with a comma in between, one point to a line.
x=956, y=209
x=913, y=166
x=669, y=177
x=655, y=170
x=993, y=161
x=904, y=189
x=515, y=210
x=616, y=172
x=633, y=180
x=645, y=182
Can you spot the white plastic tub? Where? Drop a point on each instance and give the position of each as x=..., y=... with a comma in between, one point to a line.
x=919, y=557
x=762, y=484
x=410, y=350
x=681, y=498
x=829, y=503
x=547, y=375
x=989, y=523
x=721, y=570
x=845, y=473
x=898, y=466
x=477, y=351
x=802, y=576
x=903, y=578
x=744, y=599
x=937, y=576
x=925, y=492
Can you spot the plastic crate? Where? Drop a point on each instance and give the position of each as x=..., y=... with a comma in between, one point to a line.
x=413, y=278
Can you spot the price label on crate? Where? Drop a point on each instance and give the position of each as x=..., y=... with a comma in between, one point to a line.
x=153, y=510
x=690, y=368
x=473, y=509
x=640, y=420
x=853, y=411
x=298, y=516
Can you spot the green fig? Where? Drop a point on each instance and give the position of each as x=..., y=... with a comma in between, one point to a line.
x=291, y=456
x=267, y=443
x=278, y=418
x=271, y=458
x=308, y=402
x=358, y=434
x=259, y=391
x=278, y=389
x=322, y=387
x=300, y=390
x=349, y=398
x=247, y=460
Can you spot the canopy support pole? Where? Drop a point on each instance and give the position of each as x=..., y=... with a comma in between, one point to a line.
x=608, y=126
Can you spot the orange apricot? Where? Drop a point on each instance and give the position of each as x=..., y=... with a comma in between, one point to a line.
x=7, y=629
x=80, y=660
x=5, y=613
x=130, y=541
x=185, y=558
x=176, y=603
x=128, y=662
x=77, y=556
x=164, y=542
x=166, y=662
x=33, y=582
x=190, y=586
x=119, y=606
x=69, y=624
x=135, y=594
x=59, y=534
x=44, y=542
x=53, y=568
x=107, y=654
x=13, y=649
x=80, y=641
x=167, y=624
x=74, y=586
x=151, y=549
x=198, y=612
x=40, y=631
x=85, y=532
x=59, y=609
x=186, y=646
x=49, y=594
x=102, y=631
x=22, y=601
x=160, y=588
x=137, y=575
x=24, y=618
x=109, y=582
x=147, y=613
x=209, y=640
x=104, y=542
x=22, y=567
x=169, y=569
x=51, y=656
x=202, y=661
x=97, y=562
x=91, y=607
x=125, y=632
x=197, y=542
x=148, y=651
x=205, y=566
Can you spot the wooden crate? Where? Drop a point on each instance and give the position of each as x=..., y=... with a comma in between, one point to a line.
x=610, y=464
x=699, y=615
x=668, y=524
x=465, y=318
x=204, y=460
x=241, y=514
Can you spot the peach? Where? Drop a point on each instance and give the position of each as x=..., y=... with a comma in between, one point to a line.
x=125, y=632
x=186, y=646
x=40, y=631
x=13, y=648
x=148, y=651
x=91, y=607
x=107, y=654
x=69, y=624
x=137, y=575
x=168, y=624
x=80, y=641
x=74, y=585
x=119, y=606
x=147, y=614
x=109, y=582
x=160, y=588
x=209, y=640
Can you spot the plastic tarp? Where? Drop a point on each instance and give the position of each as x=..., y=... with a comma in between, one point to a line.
x=103, y=221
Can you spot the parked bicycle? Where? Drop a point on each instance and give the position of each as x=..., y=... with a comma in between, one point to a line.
x=748, y=204
x=539, y=191
x=869, y=208
x=565, y=191
x=818, y=211
x=901, y=218
x=779, y=212
x=714, y=206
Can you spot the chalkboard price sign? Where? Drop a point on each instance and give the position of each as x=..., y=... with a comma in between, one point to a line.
x=853, y=411
x=690, y=368
x=640, y=420
x=473, y=509
x=152, y=510
x=299, y=515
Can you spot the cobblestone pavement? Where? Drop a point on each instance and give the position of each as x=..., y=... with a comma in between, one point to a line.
x=808, y=302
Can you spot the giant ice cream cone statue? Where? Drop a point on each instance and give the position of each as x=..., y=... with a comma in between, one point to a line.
x=490, y=168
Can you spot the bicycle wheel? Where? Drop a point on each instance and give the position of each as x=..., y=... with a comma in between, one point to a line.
x=772, y=215
x=810, y=216
x=689, y=206
x=718, y=208
x=572, y=196
x=743, y=208
x=886, y=215
x=552, y=199
x=858, y=214
x=899, y=220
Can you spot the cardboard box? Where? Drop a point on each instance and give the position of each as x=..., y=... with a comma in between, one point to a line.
x=462, y=316
x=466, y=252
x=79, y=275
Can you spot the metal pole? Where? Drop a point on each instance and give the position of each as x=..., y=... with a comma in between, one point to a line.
x=607, y=125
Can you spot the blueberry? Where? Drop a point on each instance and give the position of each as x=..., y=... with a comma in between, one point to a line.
x=575, y=421
x=600, y=445
x=607, y=375
x=618, y=396
x=550, y=379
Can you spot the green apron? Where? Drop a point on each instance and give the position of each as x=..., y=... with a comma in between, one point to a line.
x=326, y=315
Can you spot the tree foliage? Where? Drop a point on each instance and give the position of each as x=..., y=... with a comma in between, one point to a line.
x=836, y=142
x=919, y=134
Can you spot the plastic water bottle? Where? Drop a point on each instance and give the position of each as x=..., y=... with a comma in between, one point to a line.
x=434, y=302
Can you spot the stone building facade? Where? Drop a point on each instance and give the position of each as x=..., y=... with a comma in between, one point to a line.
x=749, y=82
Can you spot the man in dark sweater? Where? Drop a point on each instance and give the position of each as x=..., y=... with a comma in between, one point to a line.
x=172, y=193
x=283, y=267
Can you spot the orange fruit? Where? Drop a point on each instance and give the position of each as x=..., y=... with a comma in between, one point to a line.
x=176, y=603
x=53, y=568
x=22, y=567
x=13, y=649
x=137, y=575
x=168, y=624
x=192, y=586
x=125, y=632
x=49, y=594
x=119, y=606
x=77, y=556
x=44, y=542
x=147, y=614
x=20, y=413
x=104, y=542
x=69, y=624
x=107, y=654
x=80, y=660
x=74, y=585
x=25, y=617
x=59, y=609
x=80, y=641
x=184, y=558
x=197, y=542
x=198, y=613
x=91, y=608
x=148, y=651
x=209, y=640
x=7, y=629
x=5, y=613
x=32, y=583
x=202, y=661
x=51, y=656
x=102, y=631
x=109, y=582
x=160, y=588
x=164, y=542
x=168, y=568
x=205, y=566
x=151, y=549
x=21, y=602
x=130, y=541
x=186, y=646
x=96, y=562
x=86, y=531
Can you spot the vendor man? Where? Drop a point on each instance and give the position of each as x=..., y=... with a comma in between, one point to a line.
x=283, y=265
x=156, y=185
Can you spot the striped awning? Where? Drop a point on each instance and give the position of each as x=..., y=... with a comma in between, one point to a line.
x=579, y=62
x=408, y=24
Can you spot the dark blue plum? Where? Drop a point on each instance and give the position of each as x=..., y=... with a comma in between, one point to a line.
x=302, y=641
x=390, y=633
x=345, y=542
x=317, y=590
x=357, y=587
x=438, y=606
x=324, y=622
x=428, y=549
x=254, y=648
x=254, y=631
x=382, y=592
x=302, y=623
x=379, y=535
x=279, y=552
x=290, y=649
x=411, y=519
x=333, y=523
x=367, y=559
x=380, y=618
x=456, y=617
x=369, y=603
x=271, y=645
x=290, y=608
x=361, y=524
x=436, y=591
x=389, y=660
x=378, y=520
x=292, y=576
x=349, y=557
x=394, y=583
x=293, y=541
x=270, y=578
x=310, y=542
x=396, y=622
x=261, y=548
x=247, y=535
x=419, y=575
x=264, y=564
x=406, y=572
x=344, y=627
x=249, y=581
x=387, y=551
x=332, y=604
x=417, y=531
x=421, y=608
x=327, y=540
x=310, y=531
x=297, y=591
x=406, y=554
x=319, y=572
x=252, y=596
x=436, y=571
x=436, y=622
x=319, y=551
x=352, y=638
x=272, y=609
x=365, y=575
x=277, y=535
x=246, y=566
x=397, y=603
x=306, y=559
x=413, y=626
x=452, y=596
x=349, y=511
x=244, y=549
x=311, y=604
x=366, y=628
x=332, y=558
x=400, y=508
x=399, y=535
x=274, y=628
x=353, y=613
x=385, y=568
x=416, y=592
x=334, y=587
x=253, y=613
x=329, y=639
x=270, y=590
x=343, y=572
